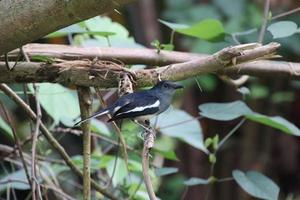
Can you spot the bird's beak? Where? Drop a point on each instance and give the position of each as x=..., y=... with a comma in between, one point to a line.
x=177, y=85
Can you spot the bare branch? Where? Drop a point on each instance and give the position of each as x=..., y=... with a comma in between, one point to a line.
x=125, y=55
x=105, y=74
x=264, y=22
x=85, y=102
x=286, y=13
x=148, y=144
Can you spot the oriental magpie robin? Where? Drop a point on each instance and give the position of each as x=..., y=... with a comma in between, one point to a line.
x=141, y=105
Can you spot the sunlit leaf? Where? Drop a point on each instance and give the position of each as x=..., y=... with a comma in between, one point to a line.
x=171, y=155
x=283, y=29
x=209, y=29
x=196, y=181
x=165, y=171
x=121, y=38
x=59, y=102
x=256, y=184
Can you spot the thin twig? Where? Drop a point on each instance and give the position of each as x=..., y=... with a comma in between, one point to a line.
x=115, y=165
x=286, y=13
x=10, y=93
x=16, y=138
x=148, y=144
x=230, y=133
x=35, y=185
x=264, y=22
x=85, y=102
x=34, y=182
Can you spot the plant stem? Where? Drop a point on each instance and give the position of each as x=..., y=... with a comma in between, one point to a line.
x=85, y=102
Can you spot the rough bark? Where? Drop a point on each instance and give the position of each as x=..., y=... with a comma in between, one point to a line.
x=23, y=21
x=105, y=74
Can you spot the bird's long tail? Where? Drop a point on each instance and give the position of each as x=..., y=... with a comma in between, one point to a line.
x=97, y=114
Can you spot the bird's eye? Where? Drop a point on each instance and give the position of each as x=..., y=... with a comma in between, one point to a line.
x=165, y=86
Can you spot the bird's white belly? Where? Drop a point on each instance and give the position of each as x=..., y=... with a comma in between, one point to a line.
x=145, y=117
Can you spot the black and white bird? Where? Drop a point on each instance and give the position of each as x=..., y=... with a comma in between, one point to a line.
x=141, y=105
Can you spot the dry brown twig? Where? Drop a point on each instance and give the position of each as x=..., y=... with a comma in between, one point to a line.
x=149, y=140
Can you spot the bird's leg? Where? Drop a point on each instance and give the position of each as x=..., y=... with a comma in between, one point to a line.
x=147, y=123
x=144, y=126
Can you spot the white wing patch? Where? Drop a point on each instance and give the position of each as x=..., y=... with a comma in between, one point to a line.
x=116, y=109
x=141, y=108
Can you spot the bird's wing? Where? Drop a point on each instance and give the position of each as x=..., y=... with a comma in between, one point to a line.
x=138, y=106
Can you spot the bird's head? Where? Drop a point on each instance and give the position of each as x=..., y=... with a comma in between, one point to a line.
x=167, y=86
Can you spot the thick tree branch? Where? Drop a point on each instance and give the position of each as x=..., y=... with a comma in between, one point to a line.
x=125, y=55
x=231, y=60
x=24, y=21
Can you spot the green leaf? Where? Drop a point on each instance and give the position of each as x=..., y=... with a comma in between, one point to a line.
x=17, y=175
x=208, y=29
x=6, y=128
x=212, y=158
x=256, y=184
x=41, y=58
x=208, y=142
x=120, y=170
x=173, y=26
x=190, y=132
x=282, y=97
x=215, y=142
x=233, y=110
x=59, y=102
x=165, y=171
x=224, y=111
x=275, y=122
x=76, y=28
x=100, y=127
x=282, y=29
x=259, y=91
x=196, y=181
x=120, y=38
x=171, y=155
x=167, y=47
